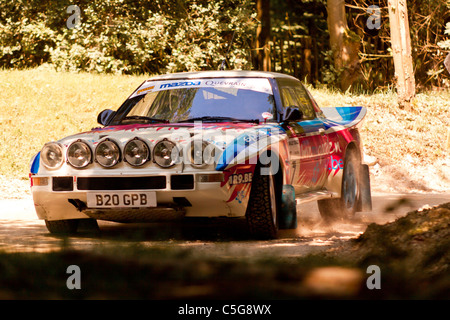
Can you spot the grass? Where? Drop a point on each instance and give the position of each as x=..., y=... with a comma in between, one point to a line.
x=41, y=105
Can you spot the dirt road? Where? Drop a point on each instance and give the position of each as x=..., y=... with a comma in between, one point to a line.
x=21, y=231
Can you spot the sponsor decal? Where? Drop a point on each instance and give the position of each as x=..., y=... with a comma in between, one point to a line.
x=307, y=150
x=335, y=164
x=267, y=115
x=294, y=147
x=335, y=147
x=144, y=90
x=179, y=84
x=260, y=85
x=226, y=83
x=240, y=196
x=316, y=173
x=238, y=182
x=239, y=178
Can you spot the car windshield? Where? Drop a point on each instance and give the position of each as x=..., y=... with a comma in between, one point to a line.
x=209, y=100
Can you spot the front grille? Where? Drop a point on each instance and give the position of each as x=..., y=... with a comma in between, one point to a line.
x=121, y=183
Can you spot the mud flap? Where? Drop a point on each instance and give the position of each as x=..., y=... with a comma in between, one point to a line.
x=365, y=196
x=287, y=219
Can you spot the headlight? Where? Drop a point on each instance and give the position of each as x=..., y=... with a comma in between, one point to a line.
x=201, y=153
x=165, y=153
x=52, y=155
x=107, y=153
x=136, y=152
x=79, y=154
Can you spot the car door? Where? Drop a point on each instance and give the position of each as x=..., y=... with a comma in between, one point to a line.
x=308, y=143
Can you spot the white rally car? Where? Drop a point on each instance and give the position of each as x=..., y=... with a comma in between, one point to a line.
x=206, y=144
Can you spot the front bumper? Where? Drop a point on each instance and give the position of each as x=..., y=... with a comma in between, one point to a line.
x=177, y=195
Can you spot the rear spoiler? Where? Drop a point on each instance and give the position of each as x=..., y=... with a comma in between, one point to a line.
x=345, y=116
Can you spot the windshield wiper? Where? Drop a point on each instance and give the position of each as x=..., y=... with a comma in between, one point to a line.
x=219, y=119
x=145, y=119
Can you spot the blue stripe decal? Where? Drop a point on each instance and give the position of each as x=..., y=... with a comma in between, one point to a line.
x=343, y=116
x=349, y=114
x=35, y=163
x=244, y=141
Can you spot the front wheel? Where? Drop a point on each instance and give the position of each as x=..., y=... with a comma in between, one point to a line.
x=261, y=214
x=345, y=207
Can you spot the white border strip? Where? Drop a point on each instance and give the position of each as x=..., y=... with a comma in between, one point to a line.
x=254, y=84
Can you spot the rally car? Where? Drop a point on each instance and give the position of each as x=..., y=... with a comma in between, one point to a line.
x=237, y=144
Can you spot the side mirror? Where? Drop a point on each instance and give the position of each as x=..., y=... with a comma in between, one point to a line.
x=292, y=114
x=105, y=116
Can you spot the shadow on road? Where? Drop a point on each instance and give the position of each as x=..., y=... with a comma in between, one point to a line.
x=22, y=231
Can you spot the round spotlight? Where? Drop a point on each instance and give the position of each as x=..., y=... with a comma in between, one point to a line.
x=201, y=153
x=107, y=153
x=165, y=154
x=79, y=154
x=52, y=155
x=136, y=152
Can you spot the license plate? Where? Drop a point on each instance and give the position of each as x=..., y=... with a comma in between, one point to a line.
x=121, y=199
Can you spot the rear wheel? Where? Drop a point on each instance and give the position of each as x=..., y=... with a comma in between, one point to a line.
x=345, y=207
x=262, y=207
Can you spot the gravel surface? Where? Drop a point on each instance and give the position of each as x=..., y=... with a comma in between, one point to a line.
x=14, y=188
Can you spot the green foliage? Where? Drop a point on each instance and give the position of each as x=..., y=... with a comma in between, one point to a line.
x=160, y=36
x=427, y=27
x=300, y=39
x=126, y=37
x=24, y=43
x=445, y=44
x=330, y=75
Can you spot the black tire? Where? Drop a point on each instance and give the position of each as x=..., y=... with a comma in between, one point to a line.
x=62, y=226
x=261, y=215
x=345, y=207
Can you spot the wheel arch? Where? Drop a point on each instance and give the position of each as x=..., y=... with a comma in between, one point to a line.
x=353, y=146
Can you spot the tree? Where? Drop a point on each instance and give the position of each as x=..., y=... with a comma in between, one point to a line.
x=401, y=50
x=263, y=35
x=344, y=44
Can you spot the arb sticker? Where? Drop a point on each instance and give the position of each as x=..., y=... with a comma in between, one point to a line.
x=267, y=115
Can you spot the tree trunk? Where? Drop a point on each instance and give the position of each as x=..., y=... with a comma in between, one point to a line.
x=263, y=35
x=401, y=50
x=345, y=46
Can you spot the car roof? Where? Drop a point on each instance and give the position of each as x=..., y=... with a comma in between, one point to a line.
x=221, y=74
